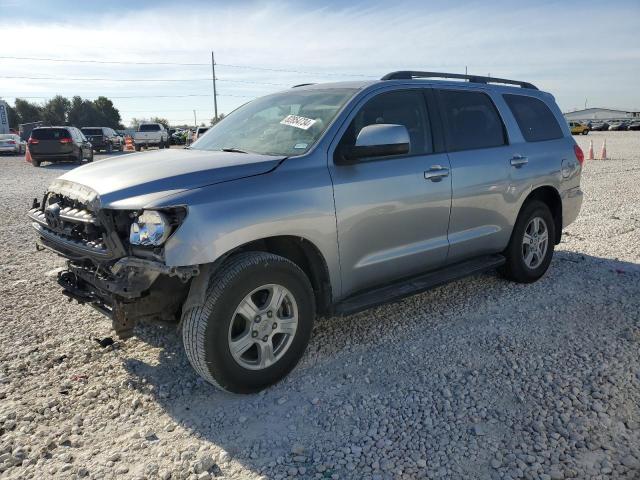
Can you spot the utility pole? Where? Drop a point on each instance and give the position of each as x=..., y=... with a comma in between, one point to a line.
x=213, y=79
x=195, y=122
x=585, y=103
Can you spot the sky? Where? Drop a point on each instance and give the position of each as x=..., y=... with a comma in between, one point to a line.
x=581, y=52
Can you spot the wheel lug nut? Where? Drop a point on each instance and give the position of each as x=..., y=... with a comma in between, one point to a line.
x=269, y=314
x=265, y=338
x=258, y=319
x=275, y=325
x=254, y=334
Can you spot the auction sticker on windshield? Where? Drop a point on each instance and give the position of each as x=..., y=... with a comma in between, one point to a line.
x=299, y=122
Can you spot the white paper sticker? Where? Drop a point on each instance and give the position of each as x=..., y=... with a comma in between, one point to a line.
x=299, y=122
x=299, y=146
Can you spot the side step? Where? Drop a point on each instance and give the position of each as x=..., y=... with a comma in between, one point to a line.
x=413, y=285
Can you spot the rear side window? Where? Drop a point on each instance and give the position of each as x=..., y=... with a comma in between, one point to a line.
x=50, y=133
x=471, y=120
x=537, y=123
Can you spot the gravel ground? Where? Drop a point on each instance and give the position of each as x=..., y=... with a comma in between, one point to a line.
x=478, y=379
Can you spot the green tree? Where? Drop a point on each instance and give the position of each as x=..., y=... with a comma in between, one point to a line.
x=108, y=115
x=14, y=118
x=215, y=120
x=56, y=110
x=27, y=111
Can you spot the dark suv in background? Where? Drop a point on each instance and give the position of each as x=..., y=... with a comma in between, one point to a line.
x=58, y=144
x=103, y=138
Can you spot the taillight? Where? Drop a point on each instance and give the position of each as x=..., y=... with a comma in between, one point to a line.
x=11, y=142
x=33, y=141
x=579, y=154
x=66, y=140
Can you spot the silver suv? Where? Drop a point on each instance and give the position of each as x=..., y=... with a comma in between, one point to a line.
x=319, y=200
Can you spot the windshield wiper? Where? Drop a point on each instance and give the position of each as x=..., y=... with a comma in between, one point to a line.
x=233, y=150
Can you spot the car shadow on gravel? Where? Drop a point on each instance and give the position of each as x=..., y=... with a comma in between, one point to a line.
x=262, y=428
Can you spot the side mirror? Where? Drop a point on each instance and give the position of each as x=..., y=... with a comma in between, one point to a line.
x=378, y=140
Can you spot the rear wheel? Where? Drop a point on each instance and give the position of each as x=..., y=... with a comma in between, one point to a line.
x=109, y=148
x=585, y=132
x=531, y=246
x=138, y=148
x=255, y=324
x=78, y=158
x=161, y=144
x=35, y=163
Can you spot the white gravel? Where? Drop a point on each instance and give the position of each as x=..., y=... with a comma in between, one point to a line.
x=478, y=379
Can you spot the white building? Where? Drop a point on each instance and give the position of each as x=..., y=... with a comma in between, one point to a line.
x=600, y=114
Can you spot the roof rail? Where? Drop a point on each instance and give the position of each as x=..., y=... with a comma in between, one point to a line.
x=302, y=85
x=410, y=75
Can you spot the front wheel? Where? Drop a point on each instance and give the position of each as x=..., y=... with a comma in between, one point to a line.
x=585, y=132
x=255, y=324
x=531, y=246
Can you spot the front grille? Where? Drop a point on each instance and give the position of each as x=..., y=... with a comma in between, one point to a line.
x=67, y=225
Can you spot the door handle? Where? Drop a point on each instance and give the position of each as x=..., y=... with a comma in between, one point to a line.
x=436, y=173
x=518, y=161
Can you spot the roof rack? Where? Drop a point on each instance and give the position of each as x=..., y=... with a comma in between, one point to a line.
x=302, y=85
x=410, y=75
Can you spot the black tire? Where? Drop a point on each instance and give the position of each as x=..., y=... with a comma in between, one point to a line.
x=516, y=268
x=109, y=148
x=78, y=159
x=138, y=148
x=205, y=329
x=90, y=159
x=585, y=132
x=35, y=163
x=161, y=145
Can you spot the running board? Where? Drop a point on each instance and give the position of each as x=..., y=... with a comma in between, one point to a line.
x=413, y=285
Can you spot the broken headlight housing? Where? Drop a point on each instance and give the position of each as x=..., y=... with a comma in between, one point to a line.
x=150, y=228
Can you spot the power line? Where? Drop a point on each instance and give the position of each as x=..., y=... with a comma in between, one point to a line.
x=193, y=64
x=142, y=96
x=95, y=79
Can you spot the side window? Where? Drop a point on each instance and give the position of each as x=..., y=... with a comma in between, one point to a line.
x=537, y=123
x=403, y=107
x=471, y=120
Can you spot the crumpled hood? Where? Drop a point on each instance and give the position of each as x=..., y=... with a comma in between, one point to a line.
x=134, y=180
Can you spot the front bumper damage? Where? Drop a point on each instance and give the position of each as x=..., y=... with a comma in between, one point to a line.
x=124, y=282
x=132, y=289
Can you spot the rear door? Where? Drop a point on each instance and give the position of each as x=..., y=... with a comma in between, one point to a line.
x=480, y=156
x=391, y=220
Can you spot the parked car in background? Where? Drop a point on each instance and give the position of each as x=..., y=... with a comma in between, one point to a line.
x=199, y=132
x=151, y=135
x=635, y=125
x=619, y=125
x=578, y=128
x=12, y=143
x=103, y=138
x=59, y=144
x=324, y=199
x=599, y=126
x=179, y=137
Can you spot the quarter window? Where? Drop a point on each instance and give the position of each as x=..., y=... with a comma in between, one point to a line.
x=471, y=120
x=537, y=123
x=403, y=107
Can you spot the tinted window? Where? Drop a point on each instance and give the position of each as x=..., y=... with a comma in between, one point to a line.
x=406, y=107
x=534, y=118
x=92, y=131
x=471, y=120
x=149, y=127
x=50, y=133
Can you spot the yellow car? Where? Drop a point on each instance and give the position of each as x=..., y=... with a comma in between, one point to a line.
x=578, y=128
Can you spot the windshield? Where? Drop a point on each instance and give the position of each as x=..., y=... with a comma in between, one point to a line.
x=287, y=123
x=149, y=127
x=92, y=131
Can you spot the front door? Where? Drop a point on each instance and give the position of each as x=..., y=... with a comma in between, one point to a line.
x=392, y=220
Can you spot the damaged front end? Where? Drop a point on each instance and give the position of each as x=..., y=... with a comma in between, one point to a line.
x=127, y=282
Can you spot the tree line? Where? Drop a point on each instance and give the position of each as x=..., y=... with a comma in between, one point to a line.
x=60, y=110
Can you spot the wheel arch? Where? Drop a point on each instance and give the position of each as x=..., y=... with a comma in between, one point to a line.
x=304, y=253
x=551, y=197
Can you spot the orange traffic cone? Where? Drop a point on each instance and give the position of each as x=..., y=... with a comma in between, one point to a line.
x=27, y=156
x=603, y=152
x=590, y=149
